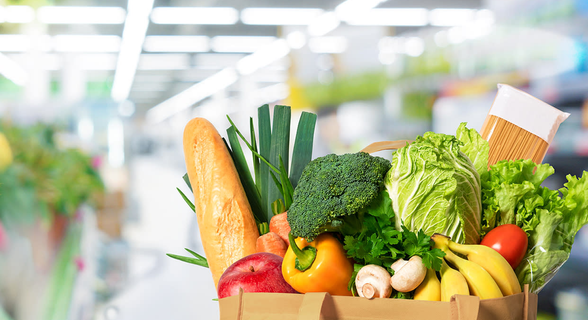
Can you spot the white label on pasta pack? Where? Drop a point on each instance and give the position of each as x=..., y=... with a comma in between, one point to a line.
x=527, y=112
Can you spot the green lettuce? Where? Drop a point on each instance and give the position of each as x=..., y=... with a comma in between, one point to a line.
x=435, y=187
x=474, y=147
x=512, y=194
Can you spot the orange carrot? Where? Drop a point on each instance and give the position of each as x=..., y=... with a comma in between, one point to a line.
x=279, y=224
x=272, y=243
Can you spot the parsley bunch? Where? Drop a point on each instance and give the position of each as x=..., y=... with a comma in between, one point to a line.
x=381, y=244
x=384, y=245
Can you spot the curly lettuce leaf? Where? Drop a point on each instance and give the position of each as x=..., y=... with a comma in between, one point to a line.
x=512, y=193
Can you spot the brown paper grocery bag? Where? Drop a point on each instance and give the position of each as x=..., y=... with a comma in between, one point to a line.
x=322, y=306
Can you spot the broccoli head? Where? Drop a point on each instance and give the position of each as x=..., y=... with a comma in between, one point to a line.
x=332, y=190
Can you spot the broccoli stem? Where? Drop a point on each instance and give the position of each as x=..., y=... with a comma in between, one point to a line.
x=305, y=257
x=348, y=225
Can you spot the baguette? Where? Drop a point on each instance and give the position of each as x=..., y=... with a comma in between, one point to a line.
x=227, y=227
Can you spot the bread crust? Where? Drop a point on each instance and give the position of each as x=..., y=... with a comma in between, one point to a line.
x=227, y=227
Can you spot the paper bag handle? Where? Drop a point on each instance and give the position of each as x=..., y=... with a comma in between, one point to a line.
x=312, y=305
x=464, y=307
x=385, y=145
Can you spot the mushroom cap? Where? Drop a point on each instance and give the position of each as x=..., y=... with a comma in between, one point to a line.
x=373, y=281
x=410, y=275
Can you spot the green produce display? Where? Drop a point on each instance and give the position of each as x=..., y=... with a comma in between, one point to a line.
x=43, y=177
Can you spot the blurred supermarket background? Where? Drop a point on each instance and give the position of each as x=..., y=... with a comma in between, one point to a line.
x=94, y=95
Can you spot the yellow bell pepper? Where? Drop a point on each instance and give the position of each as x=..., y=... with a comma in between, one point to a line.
x=318, y=266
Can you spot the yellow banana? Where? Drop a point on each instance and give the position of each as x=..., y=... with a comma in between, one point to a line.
x=5, y=153
x=480, y=282
x=493, y=262
x=430, y=288
x=452, y=282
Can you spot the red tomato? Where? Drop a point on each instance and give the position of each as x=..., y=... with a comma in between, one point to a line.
x=510, y=241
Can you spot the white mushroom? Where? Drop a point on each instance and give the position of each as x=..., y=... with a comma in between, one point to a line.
x=408, y=274
x=373, y=281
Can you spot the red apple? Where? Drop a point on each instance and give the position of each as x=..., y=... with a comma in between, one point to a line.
x=258, y=272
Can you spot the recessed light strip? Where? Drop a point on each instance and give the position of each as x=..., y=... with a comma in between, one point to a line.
x=132, y=43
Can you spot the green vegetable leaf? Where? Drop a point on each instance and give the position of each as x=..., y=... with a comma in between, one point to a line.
x=197, y=260
x=265, y=136
x=190, y=204
x=474, y=147
x=302, y=153
x=245, y=175
x=187, y=180
x=351, y=285
x=436, y=188
x=280, y=146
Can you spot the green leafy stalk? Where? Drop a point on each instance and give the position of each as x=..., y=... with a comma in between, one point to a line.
x=197, y=260
x=263, y=228
x=190, y=204
x=256, y=164
x=302, y=153
x=187, y=180
x=280, y=146
x=265, y=136
x=245, y=175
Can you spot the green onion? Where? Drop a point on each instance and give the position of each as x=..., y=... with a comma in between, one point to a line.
x=302, y=153
x=245, y=175
x=280, y=146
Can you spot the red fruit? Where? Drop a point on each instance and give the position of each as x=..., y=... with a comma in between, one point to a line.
x=258, y=272
x=510, y=241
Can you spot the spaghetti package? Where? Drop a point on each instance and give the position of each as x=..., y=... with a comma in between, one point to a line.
x=520, y=126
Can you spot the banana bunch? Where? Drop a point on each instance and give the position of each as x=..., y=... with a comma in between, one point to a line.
x=485, y=273
x=5, y=153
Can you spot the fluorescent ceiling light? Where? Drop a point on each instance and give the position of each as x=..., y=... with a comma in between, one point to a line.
x=23, y=43
x=328, y=44
x=47, y=61
x=216, y=60
x=86, y=43
x=176, y=44
x=192, y=95
x=296, y=39
x=451, y=17
x=194, y=15
x=353, y=8
x=279, y=16
x=12, y=71
x=148, y=87
x=81, y=15
x=164, y=62
x=485, y=17
x=97, y=61
x=132, y=43
x=391, y=17
x=19, y=14
x=263, y=57
x=239, y=43
x=324, y=24
x=14, y=43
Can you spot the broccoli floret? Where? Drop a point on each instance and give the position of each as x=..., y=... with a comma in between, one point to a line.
x=332, y=190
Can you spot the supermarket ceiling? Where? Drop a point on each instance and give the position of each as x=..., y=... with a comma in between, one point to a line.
x=159, y=53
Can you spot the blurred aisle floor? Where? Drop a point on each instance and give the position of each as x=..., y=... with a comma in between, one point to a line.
x=160, y=287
